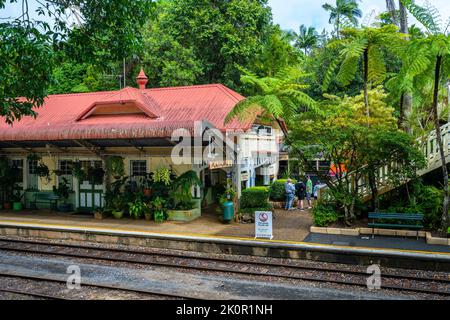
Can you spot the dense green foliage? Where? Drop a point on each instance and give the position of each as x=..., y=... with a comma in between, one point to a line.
x=423, y=199
x=359, y=96
x=254, y=197
x=25, y=70
x=106, y=33
x=324, y=215
x=210, y=38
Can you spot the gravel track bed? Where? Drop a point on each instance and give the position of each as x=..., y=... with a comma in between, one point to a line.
x=61, y=291
x=250, y=259
x=263, y=278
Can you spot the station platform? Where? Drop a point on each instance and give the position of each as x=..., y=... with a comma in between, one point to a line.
x=395, y=243
x=287, y=226
x=291, y=238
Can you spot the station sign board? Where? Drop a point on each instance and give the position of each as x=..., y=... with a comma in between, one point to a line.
x=263, y=225
x=220, y=164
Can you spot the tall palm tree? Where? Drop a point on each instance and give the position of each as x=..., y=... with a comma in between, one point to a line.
x=343, y=9
x=433, y=61
x=306, y=39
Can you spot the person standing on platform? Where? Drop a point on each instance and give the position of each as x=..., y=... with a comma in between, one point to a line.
x=290, y=194
x=300, y=189
x=309, y=191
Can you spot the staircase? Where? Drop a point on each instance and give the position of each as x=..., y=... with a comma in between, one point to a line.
x=431, y=151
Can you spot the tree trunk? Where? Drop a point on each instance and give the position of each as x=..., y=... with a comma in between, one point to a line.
x=373, y=188
x=401, y=119
x=338, y=22
x=390, y=6
x=407, y=96
x=437, y=125
x=366, y=80
x=407, y=109
x=403, y=18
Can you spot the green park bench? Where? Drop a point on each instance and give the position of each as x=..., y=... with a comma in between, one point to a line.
x=45, y=198
x=396, y=220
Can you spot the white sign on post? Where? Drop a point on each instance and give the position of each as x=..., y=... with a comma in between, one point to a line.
x=263, y=225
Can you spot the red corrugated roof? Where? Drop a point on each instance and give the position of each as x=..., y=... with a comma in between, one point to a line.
x=71, y=116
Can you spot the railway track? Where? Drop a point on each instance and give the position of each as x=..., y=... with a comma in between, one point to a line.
x=86, y=284
x=399, y=282
x=31, y=294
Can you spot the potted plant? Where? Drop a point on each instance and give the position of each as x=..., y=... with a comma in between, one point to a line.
x=63, y=193
x=148, y=186
x=148, y=212
x=118, y=204
x=78, y=172
x=115, y=166
x=99, y=214
x=137, y=208
x=162, y=175
x=159, y=209
x=183, y=207
x=43, y=172
x=16, y=199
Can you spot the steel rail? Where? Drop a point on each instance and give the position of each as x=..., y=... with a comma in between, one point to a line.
x=224, y=269
x=98, y=285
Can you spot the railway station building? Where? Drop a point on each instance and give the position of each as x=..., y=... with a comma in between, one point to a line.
x=138, y=124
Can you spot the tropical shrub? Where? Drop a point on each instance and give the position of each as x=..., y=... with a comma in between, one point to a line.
x=115, y=166
x=430, y=203
x=159, y=209
x=255, y=197
x=277, y=190
x=324, y=215
x=138, y=207
x=181, y=190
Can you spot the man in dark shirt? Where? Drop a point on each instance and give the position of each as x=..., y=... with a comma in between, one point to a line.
x=300, y=189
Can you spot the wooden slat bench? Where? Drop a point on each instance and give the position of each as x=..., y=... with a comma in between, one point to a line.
x=45, y=198
x=415, y=221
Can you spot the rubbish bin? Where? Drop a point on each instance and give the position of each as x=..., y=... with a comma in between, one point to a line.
x=228, y=212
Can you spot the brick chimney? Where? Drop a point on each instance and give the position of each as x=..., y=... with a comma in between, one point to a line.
x=142, y=80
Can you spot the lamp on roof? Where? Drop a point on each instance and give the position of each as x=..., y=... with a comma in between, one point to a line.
x=142, y=79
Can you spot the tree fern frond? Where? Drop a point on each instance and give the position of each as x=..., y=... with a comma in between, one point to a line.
x=245, y=109
x=426, y=17
x=348, y=69
x=272, y=105
x=260, y=84
x=377, y=66
x=330, y=73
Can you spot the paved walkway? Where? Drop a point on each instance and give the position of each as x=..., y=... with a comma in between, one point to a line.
x=288, y=226
x=377, y=242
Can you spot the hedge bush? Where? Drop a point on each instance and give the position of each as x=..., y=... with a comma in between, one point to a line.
x=428, y=202
x=324, y=215
x=278, y=190
x=252, y=211
x=256, y=197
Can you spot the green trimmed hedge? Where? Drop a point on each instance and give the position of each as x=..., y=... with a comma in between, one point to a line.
x=278, y=191
x=252, y=211
x=256, y=197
